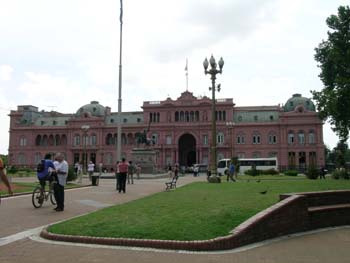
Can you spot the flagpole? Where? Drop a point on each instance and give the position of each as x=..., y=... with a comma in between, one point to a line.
x=186, y=74
x=119, y=130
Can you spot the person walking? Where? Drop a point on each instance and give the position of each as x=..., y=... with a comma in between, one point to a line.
x=138, y=171
x=131, y=169
x=170, y=171
x=4, y=177
x=80, y=172
x=231, y=172
x=62, y=173
x=123, y=170
x=176, y=170
x=323, y=173
x=117, y=177
x=91, y=168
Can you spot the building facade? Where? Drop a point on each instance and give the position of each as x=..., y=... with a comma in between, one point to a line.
x=179, y=129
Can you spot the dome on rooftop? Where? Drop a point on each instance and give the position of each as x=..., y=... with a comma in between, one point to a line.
x=92, y=109
x=298, y=100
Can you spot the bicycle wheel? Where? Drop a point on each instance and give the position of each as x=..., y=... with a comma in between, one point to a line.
x=38, y=197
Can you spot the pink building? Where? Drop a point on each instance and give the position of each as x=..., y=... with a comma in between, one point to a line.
x=180, y=129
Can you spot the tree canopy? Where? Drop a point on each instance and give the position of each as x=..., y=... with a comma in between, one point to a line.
x=333, y=57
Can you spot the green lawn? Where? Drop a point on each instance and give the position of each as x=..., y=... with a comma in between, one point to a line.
x=197, y=211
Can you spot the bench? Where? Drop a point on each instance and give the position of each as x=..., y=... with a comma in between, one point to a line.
x=171, y=184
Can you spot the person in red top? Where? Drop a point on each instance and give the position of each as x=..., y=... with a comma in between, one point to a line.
x=123, y=171
x=4, y=177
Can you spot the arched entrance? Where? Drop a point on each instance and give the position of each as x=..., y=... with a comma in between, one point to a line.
x=187, y=150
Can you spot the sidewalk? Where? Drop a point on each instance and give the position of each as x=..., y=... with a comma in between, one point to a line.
x=18, y=215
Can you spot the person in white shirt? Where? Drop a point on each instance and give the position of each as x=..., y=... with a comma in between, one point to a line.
x=62, y=173
x=91, y=168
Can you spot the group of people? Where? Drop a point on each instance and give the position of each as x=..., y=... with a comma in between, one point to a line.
x=125, y=173
x=56, y=170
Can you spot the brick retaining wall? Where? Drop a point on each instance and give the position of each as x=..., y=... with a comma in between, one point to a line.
x=294, y=213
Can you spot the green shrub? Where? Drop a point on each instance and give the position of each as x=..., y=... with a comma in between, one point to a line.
x=312, y=173
x=291, y=173
x=340, y=174
x=71, y=175
x=12, y=170
x=270, y=172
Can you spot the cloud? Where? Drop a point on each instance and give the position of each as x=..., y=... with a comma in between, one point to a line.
x=6, y=72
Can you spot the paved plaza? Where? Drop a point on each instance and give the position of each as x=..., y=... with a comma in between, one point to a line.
x=20, y=224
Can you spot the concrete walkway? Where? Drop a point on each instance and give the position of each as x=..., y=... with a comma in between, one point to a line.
x=20, y=223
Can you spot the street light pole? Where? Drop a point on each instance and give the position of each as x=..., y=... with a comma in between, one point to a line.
x=85, y=129
x=213, y=71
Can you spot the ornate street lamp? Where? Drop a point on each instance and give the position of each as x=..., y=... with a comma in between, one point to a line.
x=85, y=129
x=213, y=71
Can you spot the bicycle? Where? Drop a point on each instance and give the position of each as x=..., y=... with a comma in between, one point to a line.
x=40, y=195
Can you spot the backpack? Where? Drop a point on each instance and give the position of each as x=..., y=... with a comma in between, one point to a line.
x=41, y=166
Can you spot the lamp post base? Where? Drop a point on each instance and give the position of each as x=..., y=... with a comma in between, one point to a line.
x=214, y=179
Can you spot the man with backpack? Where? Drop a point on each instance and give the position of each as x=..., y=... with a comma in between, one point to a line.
x=44, y=169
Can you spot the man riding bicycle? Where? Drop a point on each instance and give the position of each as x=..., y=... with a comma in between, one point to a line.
x=45, y=170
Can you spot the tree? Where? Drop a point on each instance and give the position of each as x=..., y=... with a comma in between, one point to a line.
x=333, y=56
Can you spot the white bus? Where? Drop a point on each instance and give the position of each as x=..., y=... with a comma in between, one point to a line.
x=247, y=164
x=259, y=163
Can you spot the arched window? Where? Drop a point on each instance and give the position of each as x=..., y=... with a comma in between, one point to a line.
x=124, y=139
x=63, y=139
x=109, y=139
x=23, y=141
x=76, y=140
x=182, y=116
x=38, y=140
x=256, y=138
x=220, y=138
x=51, y=140
x=290, y=137
x=196, y=115
x=191, y=116
x=187, y=116
x=272, y=138
x=93, y=139
x=177, y=116
x=44, y=141
x=224, y=115
x=240, y=139
x=57, y=140
x=312, y=137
